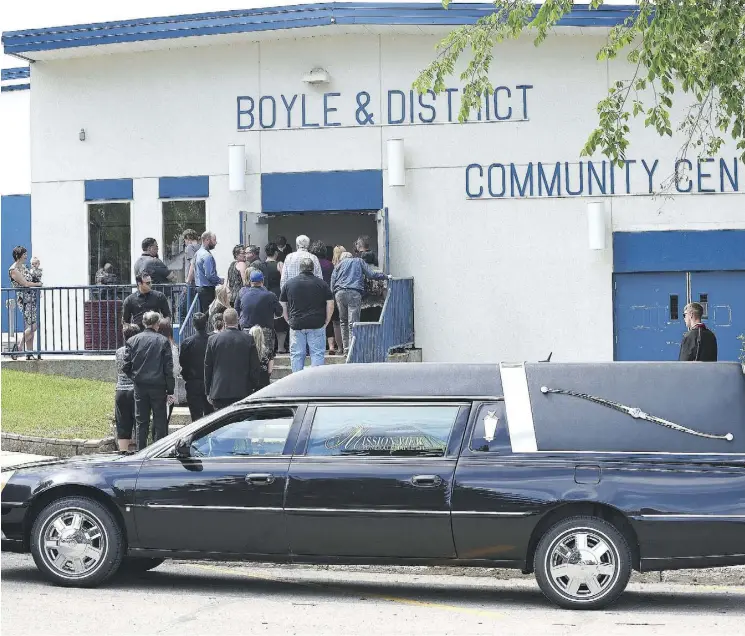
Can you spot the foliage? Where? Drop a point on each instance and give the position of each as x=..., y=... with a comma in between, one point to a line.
x=697, y=46
x=54, y=406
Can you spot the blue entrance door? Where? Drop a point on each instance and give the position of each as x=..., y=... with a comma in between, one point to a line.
x=648, y=315
x=723, y=296
x=15, y=210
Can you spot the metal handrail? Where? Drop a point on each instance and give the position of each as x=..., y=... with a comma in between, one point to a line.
x=187, y=327
x=77, y=319
x=373, y=341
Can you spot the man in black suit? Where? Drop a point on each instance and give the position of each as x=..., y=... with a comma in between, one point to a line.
x=699, y=344
x=231, y=364
x=191, y=359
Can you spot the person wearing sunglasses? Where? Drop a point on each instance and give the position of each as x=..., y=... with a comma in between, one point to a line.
x=143, y=300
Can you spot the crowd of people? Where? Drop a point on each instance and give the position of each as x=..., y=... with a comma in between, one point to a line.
x=244, y=319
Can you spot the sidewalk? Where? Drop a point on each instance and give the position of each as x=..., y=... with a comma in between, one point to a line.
x=8, y=459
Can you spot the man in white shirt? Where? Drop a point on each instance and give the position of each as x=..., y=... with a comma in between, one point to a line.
x=291, y=266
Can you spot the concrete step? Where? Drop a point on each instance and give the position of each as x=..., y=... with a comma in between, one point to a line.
x=284, y=359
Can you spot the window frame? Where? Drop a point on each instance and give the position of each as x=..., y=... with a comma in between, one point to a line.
x=298, y=409
x=162, y=240
x=129, y=272
x=452, y=447
x=473, y=421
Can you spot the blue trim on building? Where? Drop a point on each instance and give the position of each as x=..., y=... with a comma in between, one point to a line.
x=15, y=229
x=678, y=251
x=108, y=190
x=15, y=87
x=19, y=72
x=286, y=192
x=184, y=187
x=275, y=18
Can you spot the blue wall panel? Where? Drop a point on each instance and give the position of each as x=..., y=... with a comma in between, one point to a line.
x=283, y=192
x=183, y=187
x=108, y=190
x=15, y=227
x=681, y=251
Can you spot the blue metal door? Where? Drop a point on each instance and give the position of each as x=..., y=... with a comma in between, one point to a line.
x=648, y=315
x=723, y=296
x=16, y=230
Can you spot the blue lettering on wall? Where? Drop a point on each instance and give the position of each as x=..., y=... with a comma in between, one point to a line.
x=402, y=109
x=504, y=180
x=555, y=180
x=702, y=175
x=469, y=193
x=242, y=125
x=450, y=92
x=527, y=181
x=525, y=88
x=627, y=164
x=328, y=109
x=650, y=173
x=263, y=109
x=429, y=107
x=508, y=114
x=303, y=113
x=581, y=179
x=592, y=175
x=689, y=166
x=288, y=108
x=732, y=181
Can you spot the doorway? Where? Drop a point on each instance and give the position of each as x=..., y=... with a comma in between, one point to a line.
x=333, y=228
x=648, y=312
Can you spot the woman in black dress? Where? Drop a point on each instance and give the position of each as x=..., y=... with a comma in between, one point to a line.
x=272, y=283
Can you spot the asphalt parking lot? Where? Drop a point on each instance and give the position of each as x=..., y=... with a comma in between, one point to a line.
x=227, y=598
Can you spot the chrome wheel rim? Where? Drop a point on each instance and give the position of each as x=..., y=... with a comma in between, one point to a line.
x=582, y=564
x=74, y=543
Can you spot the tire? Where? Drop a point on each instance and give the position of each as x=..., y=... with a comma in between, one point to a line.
x=582, y=563
x=138, y=565
x=76, y=542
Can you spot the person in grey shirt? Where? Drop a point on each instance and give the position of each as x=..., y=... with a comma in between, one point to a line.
x=151, y=264
x=124, y=399
x=191, y=247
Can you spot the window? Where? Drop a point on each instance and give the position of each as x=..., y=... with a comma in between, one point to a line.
x=490, y=431
x=382, y=431
x=252, y=434
x=177, y=217
x=109, y=235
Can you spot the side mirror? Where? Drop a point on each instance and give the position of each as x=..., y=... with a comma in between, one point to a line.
x=183, y=447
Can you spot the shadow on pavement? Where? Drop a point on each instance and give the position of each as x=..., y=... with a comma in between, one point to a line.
x=486, y=596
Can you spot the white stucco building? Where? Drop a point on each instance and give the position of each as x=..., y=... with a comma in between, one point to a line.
x=494, y=221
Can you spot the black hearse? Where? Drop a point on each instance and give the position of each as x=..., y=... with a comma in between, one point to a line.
x=577, y=472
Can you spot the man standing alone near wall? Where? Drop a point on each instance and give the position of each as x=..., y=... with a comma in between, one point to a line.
x=307, y=306
x=148, y=362
x=699, y=344
x=205, y=271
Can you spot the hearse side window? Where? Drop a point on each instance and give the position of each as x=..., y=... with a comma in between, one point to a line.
x=252, y=433
x=490, y=431
x=382, y=431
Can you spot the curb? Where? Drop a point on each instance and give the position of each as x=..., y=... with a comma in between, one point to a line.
x=55, y=447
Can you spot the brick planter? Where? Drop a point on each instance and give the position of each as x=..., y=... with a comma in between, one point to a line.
x=55, y=447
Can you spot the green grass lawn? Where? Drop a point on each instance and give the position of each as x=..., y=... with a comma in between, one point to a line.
x=55, y=406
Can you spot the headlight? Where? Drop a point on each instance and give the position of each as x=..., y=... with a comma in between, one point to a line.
x=5, y=478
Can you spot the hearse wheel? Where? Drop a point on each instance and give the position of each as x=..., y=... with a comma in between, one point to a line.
x=137, y=565
x=582, y=563
x=75, y=541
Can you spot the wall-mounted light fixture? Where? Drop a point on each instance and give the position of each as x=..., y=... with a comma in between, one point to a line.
x=81, y=134
x=596, y=225
x=236, y=168
x=396, y=163
x=317, y=76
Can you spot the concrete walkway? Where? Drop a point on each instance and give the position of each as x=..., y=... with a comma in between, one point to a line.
x=9, y=459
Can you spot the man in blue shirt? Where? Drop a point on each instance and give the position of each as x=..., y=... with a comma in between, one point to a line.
x=256, y=305
x=348, y=285
x=205, y=271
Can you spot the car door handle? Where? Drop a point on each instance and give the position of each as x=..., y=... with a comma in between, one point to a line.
x=260, y=479
x=426, y=481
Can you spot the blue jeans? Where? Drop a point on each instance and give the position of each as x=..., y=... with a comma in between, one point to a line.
x=315, y=339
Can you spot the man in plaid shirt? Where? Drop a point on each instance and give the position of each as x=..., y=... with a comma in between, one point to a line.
x=291, y=266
